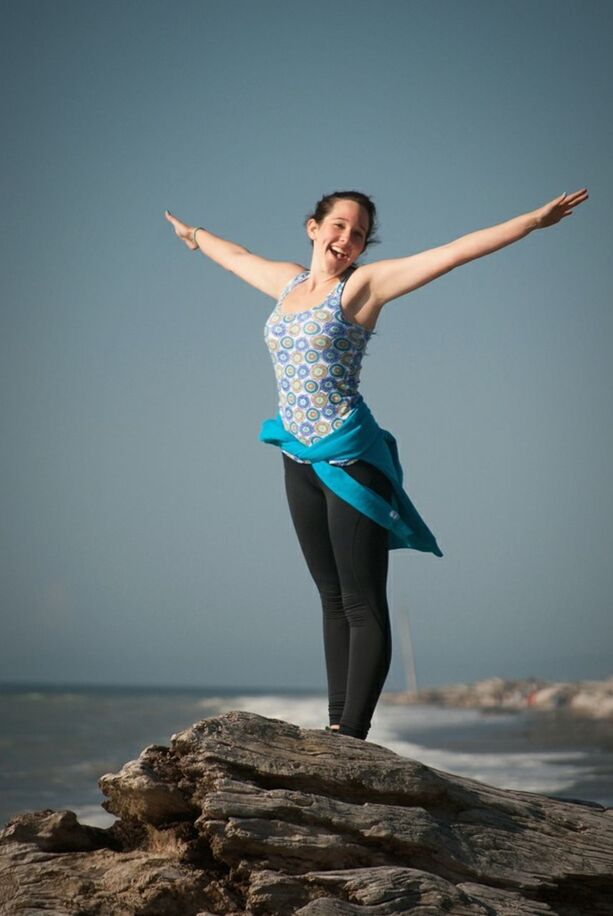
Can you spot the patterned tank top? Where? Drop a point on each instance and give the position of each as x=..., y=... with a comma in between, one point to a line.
x=317, y=356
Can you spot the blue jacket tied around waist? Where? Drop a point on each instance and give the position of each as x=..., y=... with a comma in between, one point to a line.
x=360, y=436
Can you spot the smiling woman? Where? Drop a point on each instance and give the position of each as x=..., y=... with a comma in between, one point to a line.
x=346, y=210
x=343, y=477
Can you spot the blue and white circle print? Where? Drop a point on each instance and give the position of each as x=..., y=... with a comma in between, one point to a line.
x=317, y=356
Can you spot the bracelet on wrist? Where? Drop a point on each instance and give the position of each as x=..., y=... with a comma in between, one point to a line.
x=193, y=237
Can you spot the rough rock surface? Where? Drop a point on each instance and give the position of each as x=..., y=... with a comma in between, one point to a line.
x=248, y=815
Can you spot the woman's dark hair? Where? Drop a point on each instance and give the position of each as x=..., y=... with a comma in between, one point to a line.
x=326, y=204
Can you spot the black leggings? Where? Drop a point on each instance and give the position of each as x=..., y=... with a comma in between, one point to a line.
x=347, y=556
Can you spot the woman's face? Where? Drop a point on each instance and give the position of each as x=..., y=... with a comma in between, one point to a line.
x=340, y=237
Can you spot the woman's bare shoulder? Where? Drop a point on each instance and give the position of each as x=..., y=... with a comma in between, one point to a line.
x=291, y=269
x=270, y=277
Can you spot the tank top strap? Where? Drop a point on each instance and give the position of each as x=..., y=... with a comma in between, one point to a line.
x=292, y=283
x=343, y=280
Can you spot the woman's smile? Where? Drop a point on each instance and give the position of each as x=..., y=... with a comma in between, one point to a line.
x=339, y=253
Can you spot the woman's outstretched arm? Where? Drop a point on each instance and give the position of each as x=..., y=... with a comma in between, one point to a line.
x=387, y=280
x=268, y=276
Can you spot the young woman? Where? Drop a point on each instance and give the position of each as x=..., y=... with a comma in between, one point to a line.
x=343, y=478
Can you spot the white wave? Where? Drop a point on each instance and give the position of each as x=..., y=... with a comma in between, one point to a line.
x=94, y=816
x=546, y=772
x=310, y=711
x=50, y=696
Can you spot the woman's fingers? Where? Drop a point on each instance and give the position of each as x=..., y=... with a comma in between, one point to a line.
x=171, y=219
x=578, y=197
x=573, y=200
x=174, y=220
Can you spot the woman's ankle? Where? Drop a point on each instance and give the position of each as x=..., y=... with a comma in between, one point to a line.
x=352, y=732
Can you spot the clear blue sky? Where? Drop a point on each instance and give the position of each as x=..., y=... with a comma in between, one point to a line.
x=145, y=533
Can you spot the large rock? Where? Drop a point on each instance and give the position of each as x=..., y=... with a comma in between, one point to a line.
x=249, y=815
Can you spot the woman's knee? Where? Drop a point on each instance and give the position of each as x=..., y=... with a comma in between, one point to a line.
x=332, y=601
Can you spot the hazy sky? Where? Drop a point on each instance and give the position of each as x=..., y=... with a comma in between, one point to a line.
x=146, y=536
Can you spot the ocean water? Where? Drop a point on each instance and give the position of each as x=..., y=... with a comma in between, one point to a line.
x=56, y=742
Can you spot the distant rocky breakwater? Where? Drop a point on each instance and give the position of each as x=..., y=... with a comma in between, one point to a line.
x=592, y=699
x=244, y=814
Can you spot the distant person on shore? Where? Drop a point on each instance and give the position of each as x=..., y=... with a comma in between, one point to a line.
x=343, y=477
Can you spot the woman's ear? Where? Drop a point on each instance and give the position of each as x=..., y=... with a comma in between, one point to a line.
x=311, y=228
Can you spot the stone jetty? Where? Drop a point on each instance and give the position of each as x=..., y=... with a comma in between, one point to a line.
x=593, y=699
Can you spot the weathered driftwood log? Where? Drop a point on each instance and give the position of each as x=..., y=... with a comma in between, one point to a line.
x=244, y=814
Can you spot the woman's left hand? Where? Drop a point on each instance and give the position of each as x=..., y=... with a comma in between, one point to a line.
x=553, y=212
x=182, y=230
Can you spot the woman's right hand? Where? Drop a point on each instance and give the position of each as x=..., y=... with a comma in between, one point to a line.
x=182, y=230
